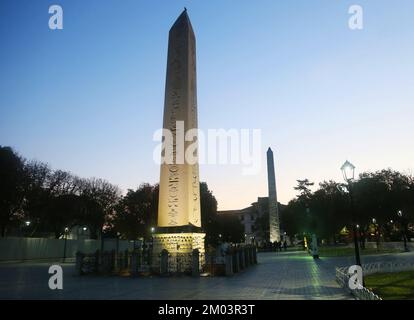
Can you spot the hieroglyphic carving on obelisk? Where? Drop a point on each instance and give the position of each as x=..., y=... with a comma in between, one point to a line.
x=273, y=206
x=179, y=198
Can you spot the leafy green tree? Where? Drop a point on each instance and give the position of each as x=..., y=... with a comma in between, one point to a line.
x=64, y=211
x=303, y=188
x=136, y=212
x=102, y=198
x=230, y=228
x=380, y=195
x=52, y=200
x=209, y=223
x=326, y=211
x=329, y=209
x=37, y=196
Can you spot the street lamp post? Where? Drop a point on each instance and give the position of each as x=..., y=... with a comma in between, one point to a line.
x=403, y=223
x=348, y=171
x=117, y=256
x=149, y=247
x=64, y=246
x=376, y=232
x=102, y=239
x=117, y=242
x=24, y=231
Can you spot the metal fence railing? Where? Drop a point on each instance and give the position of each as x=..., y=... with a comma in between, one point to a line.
x=143, y=262
x=362, y=293
x=342, y=276
x=387, y=267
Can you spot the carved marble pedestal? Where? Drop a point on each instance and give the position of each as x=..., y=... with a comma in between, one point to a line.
x=180, y=247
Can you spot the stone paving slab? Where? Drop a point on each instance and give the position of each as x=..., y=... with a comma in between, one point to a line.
x=278, y=276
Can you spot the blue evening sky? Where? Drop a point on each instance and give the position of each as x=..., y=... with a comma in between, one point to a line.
x=88, y=98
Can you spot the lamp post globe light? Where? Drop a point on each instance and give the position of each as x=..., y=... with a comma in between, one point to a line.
x=403, y=224
x=24, y=227
x=348, y=172
x=65, y=237
x=377, y=232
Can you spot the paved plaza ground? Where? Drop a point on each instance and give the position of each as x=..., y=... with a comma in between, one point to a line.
x=278, y=276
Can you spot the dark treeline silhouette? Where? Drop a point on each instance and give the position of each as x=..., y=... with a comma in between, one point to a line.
x=377, y=198
x=53, y=200
x=136, y=214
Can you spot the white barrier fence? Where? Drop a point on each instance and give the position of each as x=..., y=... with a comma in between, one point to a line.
x=22, y=249
x=386, y=267
x=395, y=245
x=342, y=276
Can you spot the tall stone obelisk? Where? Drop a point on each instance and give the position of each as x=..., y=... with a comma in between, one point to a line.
x=274, y=231
x=179, y=216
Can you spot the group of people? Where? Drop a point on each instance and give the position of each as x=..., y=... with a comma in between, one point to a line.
x=277, y=246
x=280, y=245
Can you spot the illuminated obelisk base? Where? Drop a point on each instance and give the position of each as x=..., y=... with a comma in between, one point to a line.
x=180, y=248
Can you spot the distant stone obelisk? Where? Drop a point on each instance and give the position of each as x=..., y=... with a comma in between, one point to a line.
x=274, y=232
x=179, y=217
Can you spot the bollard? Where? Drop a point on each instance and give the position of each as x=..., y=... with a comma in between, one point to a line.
x=249, y=254
x=96, y=264
x=229, y=265
x=241, y=258
x=195, y=263
x=253, y=250
x=111, y=261
x=255, y=255
x=164, y=262
x=119, y=260
x=139, y=257
x=134, y=264
x=79, y=262
x=126, y=258
x=315, y=251
x=235, y=258
x=106, y=262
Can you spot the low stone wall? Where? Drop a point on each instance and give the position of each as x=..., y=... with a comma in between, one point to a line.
x=22, y=249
